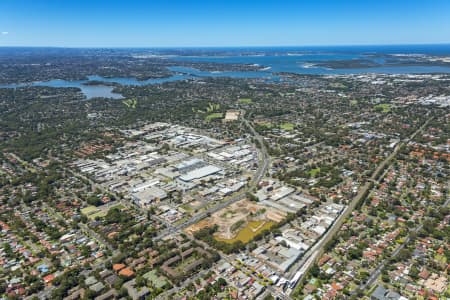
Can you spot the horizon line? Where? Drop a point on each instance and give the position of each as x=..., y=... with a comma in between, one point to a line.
x=231, y=46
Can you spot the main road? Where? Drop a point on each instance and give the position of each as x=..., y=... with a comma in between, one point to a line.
x=304, y=264
x=264, y=162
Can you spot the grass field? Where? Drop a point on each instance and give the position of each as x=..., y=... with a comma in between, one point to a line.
x=89, y=210
x=100, y=214
x=184, y=263
x=93, y=212
x=212, y=107
x=267, y=125
x=245, y=101
x=247, y=233
x=156, y=280
x=384, y=107
x=130, y=103
x=313, y=172
x=440, y=258
x=213, y=116
x=287, y=126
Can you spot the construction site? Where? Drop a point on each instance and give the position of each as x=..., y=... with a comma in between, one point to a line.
x=240, y=221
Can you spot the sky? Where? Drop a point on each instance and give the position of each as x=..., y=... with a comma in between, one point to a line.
x=220, y=23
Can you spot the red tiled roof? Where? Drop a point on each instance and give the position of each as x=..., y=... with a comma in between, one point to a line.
x=49, y=278
x=126, y=272
x=118, y=267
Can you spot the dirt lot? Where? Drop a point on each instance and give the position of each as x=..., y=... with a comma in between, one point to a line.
x=237, y=217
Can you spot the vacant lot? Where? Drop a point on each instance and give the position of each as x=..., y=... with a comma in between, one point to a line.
x=241, y=221
x=247, y=233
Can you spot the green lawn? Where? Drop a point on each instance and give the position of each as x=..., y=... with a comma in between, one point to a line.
x=156, y=280
x=100, y=214
x=93, y=212
x=440, y=258
x=314, y=282
x=352, y=286
x=213, y=116
x=245, y=101
x=130, y=103
x=212, y=107
x=313, y=172
x=371, y=290
x=267, y=125
x=383, y=107
x=181, y=268
x=287, y=126
x=400, y=240
x=89, y=210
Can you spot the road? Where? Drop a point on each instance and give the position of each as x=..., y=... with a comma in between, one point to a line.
x=265, y=158
x=315, y=252
x=200, y=216
x=318, y=248
x=264, y=162
x=376, y=273
x=86, y=230
x=259, y=174
x=46, y=293
x=257, y=177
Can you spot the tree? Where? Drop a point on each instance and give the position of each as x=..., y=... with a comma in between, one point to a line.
x=108, y=264
x=414, y=272
x=140, y=281
x=123, y=292
x=315, y=270
x=250, y=196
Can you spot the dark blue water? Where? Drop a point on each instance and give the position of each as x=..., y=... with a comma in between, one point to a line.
x=193, y=73
x=182, y=73
x=303, y=64
x=89, y=91
x=298, y=60
x=436, y=49
x=301, y=60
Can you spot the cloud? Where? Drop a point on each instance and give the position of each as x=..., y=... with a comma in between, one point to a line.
x=5, y=32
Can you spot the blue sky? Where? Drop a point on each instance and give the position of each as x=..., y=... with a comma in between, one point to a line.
x=167, y=23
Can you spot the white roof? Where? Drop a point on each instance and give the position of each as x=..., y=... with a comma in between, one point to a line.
x=199, y=173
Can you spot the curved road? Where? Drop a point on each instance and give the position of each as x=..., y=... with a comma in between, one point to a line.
x=259, y=174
